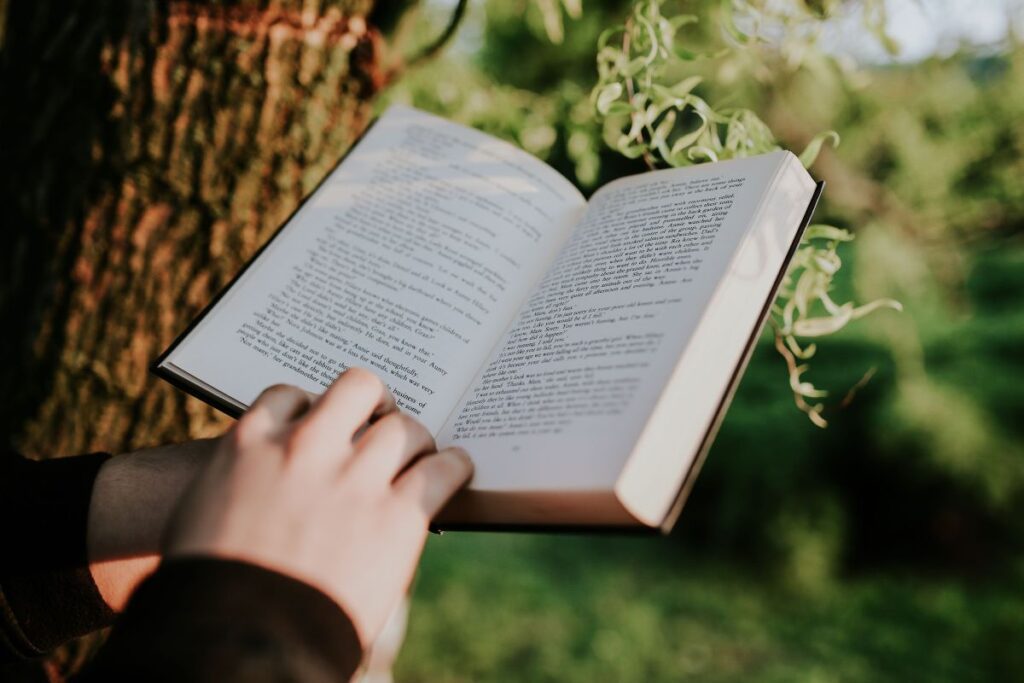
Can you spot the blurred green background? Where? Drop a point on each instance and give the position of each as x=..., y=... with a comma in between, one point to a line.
x=885, y=547
x=150, y=147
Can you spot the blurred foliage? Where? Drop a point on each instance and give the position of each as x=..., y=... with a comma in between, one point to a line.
x=888, y=547
x=595, y=609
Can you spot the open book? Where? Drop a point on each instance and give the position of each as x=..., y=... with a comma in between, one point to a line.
x=581, y=352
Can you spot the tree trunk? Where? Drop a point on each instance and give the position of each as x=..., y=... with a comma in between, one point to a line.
x=148, y=149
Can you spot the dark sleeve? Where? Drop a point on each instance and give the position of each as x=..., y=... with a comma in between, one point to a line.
x=47, y=594
x=205, y=619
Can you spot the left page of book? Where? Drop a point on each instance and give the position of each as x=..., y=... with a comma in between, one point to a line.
x=409, y=260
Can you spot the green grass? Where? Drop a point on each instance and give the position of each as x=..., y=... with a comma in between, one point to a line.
x=519, y=608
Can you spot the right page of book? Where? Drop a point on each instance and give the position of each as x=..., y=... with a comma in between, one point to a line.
x=566, y=393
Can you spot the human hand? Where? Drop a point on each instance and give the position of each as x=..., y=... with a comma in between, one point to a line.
x=302, y=486
x=133, y=497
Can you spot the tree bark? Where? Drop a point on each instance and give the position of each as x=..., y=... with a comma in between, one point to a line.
x=148, y=149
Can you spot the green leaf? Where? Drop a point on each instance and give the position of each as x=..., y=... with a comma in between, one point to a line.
x=729, y=23
x=607, y=35
x=685, y=54
x=551, y=14
x=666, y=31
x=863, y=310
x=686, y=140
x=827, y=232
x=819, y=327
x=804, y=292
x=681, y=20
x=619, y=108
x=810, y=153
x=607, y=95
x=686, y=85
x=801, y=353
x=651, y=35
x=610, y=57
x=634, y=66
x=636, y=126
x=660, y=137
x=664, y=97
x=805, y=389
x=825, y=325
x=704, y=151
x=626, y=146
x=826, y=262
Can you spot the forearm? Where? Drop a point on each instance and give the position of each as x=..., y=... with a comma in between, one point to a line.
x=79, y=534
x=133, y=498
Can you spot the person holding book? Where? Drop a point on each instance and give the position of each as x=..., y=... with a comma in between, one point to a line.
x=561, y=339
x=558, y=338
x=286, y=543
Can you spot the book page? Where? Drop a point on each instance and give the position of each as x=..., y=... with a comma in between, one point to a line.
x=566, y=393
x=409, y=260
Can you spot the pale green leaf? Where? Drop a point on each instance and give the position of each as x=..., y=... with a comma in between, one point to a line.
x=810, y=153
x=681, y=20
x=687, y=139
x=827, y=232
x=805, y=389
x=619, y=108
x=801, y=353
x=865, y=309
x=821, y=326
x=728, y=22
x=686, y=85
x=702, y=151
x=606, y=36
x=607, y=95
x=634, y=66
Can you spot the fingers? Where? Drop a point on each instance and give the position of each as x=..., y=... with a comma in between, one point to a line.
x=434, y=479
x=389, y=445
x=333, y=419
x=277, y=406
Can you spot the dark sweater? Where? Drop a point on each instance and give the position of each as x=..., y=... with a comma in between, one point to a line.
x=194, y=619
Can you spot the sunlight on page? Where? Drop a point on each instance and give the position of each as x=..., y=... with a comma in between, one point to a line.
x=409, y=260
x=561, y=402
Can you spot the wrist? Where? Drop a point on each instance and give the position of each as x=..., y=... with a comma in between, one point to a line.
x=116, y=579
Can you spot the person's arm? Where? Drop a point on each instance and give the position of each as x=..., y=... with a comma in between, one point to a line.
x=78, y=534
x=294, y=545
x=132, y=500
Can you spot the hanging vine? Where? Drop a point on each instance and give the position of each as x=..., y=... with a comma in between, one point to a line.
x=646, y=114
